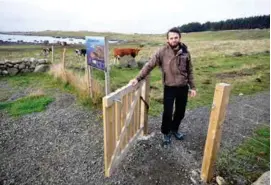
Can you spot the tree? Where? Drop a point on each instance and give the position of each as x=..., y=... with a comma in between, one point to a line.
x=253, y=22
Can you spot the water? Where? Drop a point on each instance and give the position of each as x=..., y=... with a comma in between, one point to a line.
x=41, y=39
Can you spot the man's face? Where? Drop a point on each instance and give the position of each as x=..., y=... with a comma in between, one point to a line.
x=173, y=39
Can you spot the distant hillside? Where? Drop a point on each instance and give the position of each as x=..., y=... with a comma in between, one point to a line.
x=230, y=24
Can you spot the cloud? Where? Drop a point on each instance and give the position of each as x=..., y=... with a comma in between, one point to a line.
x=152, y=16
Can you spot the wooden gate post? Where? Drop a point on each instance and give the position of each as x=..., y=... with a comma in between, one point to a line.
x=144, y=110
x=220, y=102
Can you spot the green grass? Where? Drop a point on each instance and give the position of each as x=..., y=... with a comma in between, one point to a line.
x=249, y=160
x=246, y=70
x=212, y=59
x=240, y=72
x=229, y=35
x=36, y=80
x=26, y=105
x=208, y=35
x=47, y=83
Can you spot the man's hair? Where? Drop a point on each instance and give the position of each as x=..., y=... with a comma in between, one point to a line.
x=174, y=30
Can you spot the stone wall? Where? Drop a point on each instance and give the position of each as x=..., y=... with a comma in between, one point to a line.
x=25, y=65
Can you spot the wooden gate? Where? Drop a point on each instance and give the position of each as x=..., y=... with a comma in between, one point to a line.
x=125, y=114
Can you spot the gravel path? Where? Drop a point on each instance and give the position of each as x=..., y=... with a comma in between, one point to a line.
x=64, y=144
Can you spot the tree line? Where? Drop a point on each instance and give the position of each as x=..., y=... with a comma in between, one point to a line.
x=253, y=22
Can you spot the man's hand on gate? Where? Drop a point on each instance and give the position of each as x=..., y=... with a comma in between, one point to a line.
x=192, y=93
x=133, y=82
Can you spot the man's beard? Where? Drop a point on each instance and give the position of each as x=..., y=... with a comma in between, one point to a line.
x=175, y=47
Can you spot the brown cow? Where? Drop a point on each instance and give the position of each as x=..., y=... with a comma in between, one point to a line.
x=120, y=52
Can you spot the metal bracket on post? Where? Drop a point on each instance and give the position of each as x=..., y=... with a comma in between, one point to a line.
x=118, y=100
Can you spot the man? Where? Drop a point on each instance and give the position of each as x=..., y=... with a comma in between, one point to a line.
x=175, y=63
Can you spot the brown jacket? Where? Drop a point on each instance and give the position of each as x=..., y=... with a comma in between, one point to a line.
x=177, y=69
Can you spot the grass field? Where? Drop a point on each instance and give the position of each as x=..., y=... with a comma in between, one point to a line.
x=213, y=55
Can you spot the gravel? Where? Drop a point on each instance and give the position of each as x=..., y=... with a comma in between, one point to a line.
x=64, y=144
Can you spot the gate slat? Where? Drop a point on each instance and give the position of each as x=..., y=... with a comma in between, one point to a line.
x=130, y=128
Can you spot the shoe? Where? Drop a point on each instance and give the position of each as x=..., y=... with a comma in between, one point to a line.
x=178, y=135
x=167, y=139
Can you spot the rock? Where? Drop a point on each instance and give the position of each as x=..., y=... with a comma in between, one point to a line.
x=35, y=62
x=13, y=71
x=2, y=67
x=132, y=63
x=241, y=94
x=2, y=62
x=9, y=65
x=16, y=62
x=220, y=180
x=31, y=59
x=141, y=63
x=193, y=181
x=195, y=177
x=42, y=61
x=127, y=61
x=16, y=65
x=26, y=70
x=258, y=79
x=237, y=54
x=194, y=173
x=22, y=66
x=206, y=81
x=25, y=59
x=263, y=180
x=32, y=66
x=5, y=72
x=41, y=68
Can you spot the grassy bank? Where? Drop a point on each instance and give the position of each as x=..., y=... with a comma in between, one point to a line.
x=32, y=83
x=249, y=160
x=26, y=105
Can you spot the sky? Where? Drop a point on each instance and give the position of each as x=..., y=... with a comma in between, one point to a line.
x=124, y=16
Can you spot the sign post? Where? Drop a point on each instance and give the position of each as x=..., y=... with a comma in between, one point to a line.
x=106, y=72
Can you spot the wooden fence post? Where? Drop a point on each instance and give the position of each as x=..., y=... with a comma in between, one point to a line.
x=89, y=78
x=212, y=144
x=63, y=64
x=63, y=57
x=52, y=54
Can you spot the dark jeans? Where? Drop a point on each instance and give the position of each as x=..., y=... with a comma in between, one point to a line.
x=179, y=95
